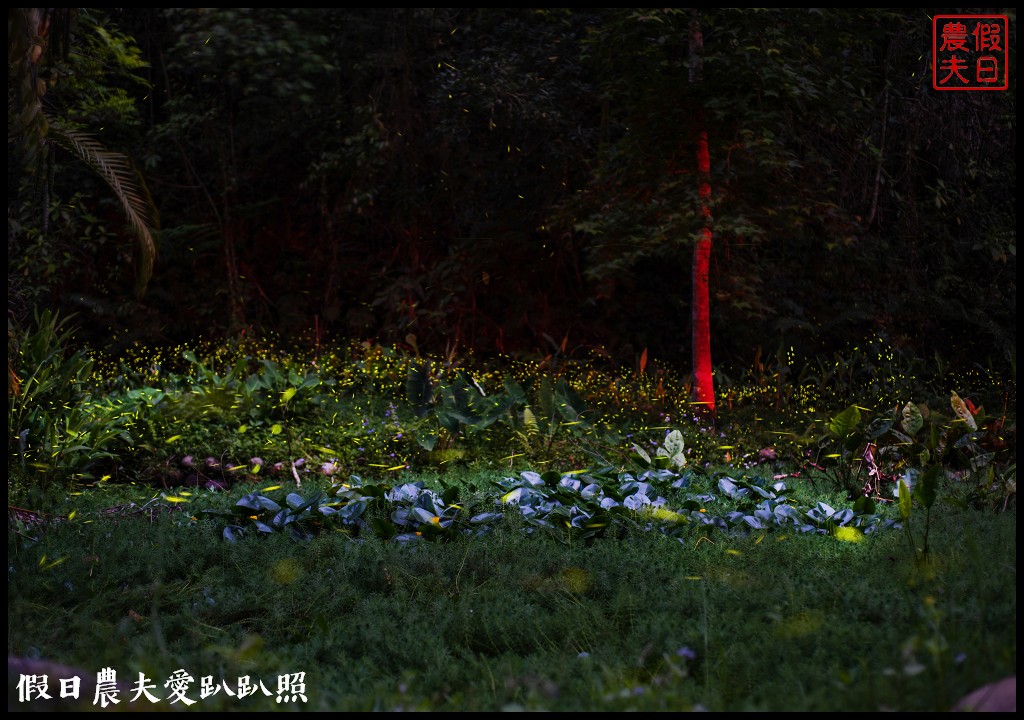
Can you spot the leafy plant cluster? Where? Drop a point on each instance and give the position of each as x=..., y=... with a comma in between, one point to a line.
x=576, y=507
x=914, y=441
x=257, y=415
x=56, y=426
x=536, y=419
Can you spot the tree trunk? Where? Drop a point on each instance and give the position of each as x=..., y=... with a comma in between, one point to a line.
x=703, y=379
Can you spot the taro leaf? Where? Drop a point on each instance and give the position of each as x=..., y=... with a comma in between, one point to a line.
x=904, y=501
x=262, y=526
x=546, y=401
x=352, y=511
x=485, y=517
x=551, y=478
x=424, y=516
x=924, y=456
x=759, y=490
x=591, y=491
x=912, y=419
x=284, y=517
x=255, y=501
x=787, y=511
x=731, y=489
x=468, y=380
x=514, y=392
x=864, y=505
x=418, y=389
x=377, y=491
x=843, y=516
x=533, y=478
x=753, y=522
x=926, y=488
x=427, y=440
x=448, y=420
x=400, y=516
x=450, y=496
x=233, y=533
x=640, y=456
x=826, y=510
x=844, y=425
x=684, y=479
x=877, y=428
x=566, y=401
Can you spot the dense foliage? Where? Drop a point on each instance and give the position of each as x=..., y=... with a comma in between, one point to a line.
x=521, y=181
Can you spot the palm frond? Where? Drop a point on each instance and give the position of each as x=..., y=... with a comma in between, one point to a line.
x=129, y=189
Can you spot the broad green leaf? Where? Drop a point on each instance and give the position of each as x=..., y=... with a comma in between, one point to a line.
x=288, y=394
x=642, y=454
x=252, y=501
x=427, y=440
x=912, y=419
x=674, y=443
x=927, y=486
x=844, y=425
x=418, y=388
x=904, y=501
x=514, y=391
x=276, y=429
x=424, y=516
x=551, y=478
x=877, y=428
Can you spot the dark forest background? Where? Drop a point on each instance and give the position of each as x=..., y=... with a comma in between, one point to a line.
x=513, y=181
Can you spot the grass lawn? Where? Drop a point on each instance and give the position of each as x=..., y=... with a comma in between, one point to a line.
x=769, y=620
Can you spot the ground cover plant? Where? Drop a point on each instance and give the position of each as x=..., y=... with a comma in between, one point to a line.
x=417, y=533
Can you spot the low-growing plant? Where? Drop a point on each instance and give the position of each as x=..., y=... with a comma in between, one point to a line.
x=56, y=430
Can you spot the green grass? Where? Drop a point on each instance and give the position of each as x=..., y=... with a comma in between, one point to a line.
x=771, y=621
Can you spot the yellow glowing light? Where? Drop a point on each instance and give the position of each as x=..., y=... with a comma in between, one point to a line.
x=849, y=534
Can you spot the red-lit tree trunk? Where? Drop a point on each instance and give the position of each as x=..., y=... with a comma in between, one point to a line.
x=703, y=380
